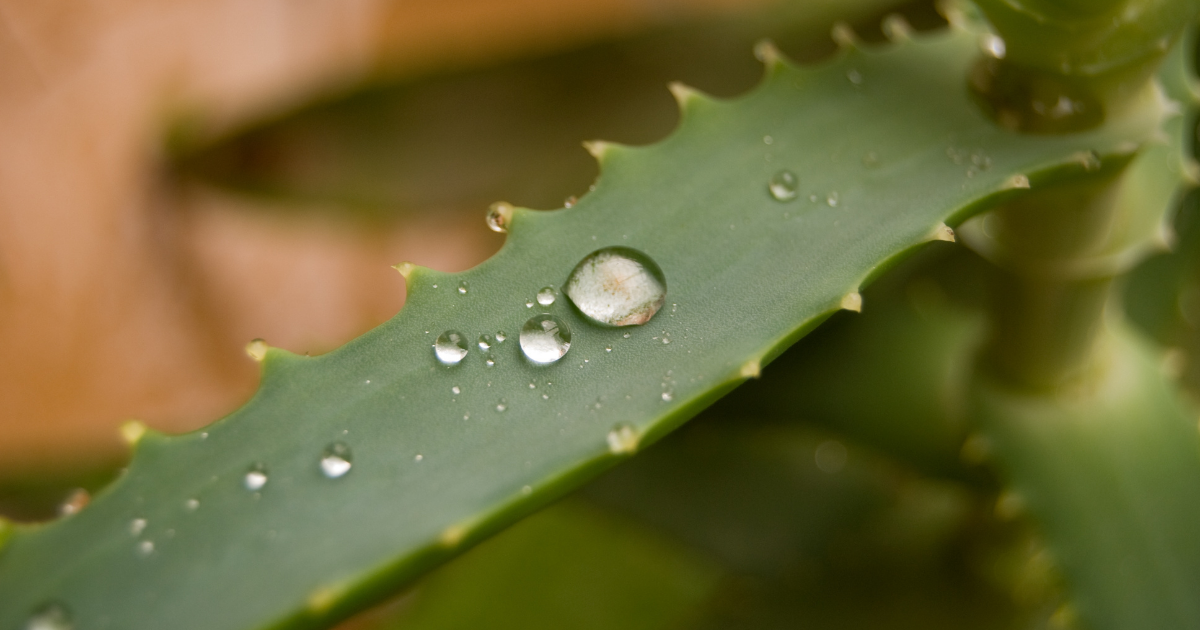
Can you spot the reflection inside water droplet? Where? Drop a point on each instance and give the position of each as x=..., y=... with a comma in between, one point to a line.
x=256, y=477
x=450, y=347
x=499, y=215
x=618, y=286
x=546, y=296
x=335, y=460
x=545, y=339
x=782, y=185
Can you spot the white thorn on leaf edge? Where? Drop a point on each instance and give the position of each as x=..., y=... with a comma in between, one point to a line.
x=598, y=148
x=852, y=302
x=452, y=535
x=766, y=52
x=683, y=93
x=1016, y=181
x=896, y=28
x=132, y=431
x=751, y=369
x=942, y=232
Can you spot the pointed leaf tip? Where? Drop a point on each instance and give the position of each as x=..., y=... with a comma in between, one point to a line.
x=132, y=431
x=852, y=302
x=942, y=232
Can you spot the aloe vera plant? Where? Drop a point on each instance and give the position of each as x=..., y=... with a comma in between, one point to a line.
x=351, y=474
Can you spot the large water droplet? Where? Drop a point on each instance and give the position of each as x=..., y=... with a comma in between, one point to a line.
x=335, y=460
x=546, y=296
x=783, y=185
x=52, y=616
x=256, y=477
x=618, y=286
x=499, y=215
x=450, y=347
x=545, y=339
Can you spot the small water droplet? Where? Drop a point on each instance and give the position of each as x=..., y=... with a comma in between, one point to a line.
x=145, y=548
x=532, y=385
x=418, y=457
x=456, y=389
x=489, y=360
x=832, y=199
x=204, y=435
x=255, y=478
x=501, y=336
x=450, y=347
x=529, y=304
x=608, y=348
x=485, y=341
x=499, y=215
x=137, y=526
x=502, y=406
x=782, y=185
x=545, y=339
x=52, y=616
x=545, y=396
x=191, y=504
x=668, y=396
x=335, y=460
x=854, y=76
x=462, y=287
x=625, y=336
x=570, y=202
x=77, y=500
x=768, y=140
x=546, y=296
x=618, y=286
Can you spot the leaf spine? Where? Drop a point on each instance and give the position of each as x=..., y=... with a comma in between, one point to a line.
x=623, y=440
x=598, y=148
x=852, y=302
x=405, y=269
x=843, y=35
x=766, y=52
x=323, y=598
x=942, y=232
x=683, y=93
x=955, y=14
x=452, y=535
x=751, y=369
x=132, y=431
x=1016, y=181
x=896, y=28
x=257, y=349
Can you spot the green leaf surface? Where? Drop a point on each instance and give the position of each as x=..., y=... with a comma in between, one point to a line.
x=747, y=276
x=1112, y=476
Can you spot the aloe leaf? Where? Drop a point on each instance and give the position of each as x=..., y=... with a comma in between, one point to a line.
x=747, y=276
x=1112, y=476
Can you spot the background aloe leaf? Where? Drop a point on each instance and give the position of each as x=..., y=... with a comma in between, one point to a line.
x=748, y=275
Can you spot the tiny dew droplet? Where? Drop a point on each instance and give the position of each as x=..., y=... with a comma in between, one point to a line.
x=145, y=548
x=418, y=457
x=191, y=504
x=618, y=286
x=450, y=347
x=782, y=185
x=608, y=348
x=137, y=526
x=462, y=287
x=832, y=199
x=335, y=460
x=456, y=389
x=499, y=215
x=668, y=396
x=855, y=77
x=489, y=360
x=546, y=296
x=501, y=336
x=529, y=304
x=545, y=339
x=502, y=406
x=77, y=500
x=255, y=478
x=485, y=341
x=51, y=616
